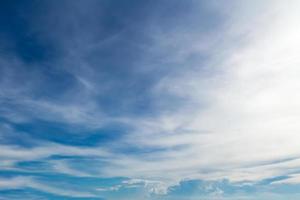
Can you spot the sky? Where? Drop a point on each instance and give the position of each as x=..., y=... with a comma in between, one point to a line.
x=149, y=100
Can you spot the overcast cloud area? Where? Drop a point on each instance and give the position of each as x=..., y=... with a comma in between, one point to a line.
x=154, y=100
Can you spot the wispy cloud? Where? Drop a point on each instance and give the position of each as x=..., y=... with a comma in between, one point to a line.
x=207, y=94
x=27, y=182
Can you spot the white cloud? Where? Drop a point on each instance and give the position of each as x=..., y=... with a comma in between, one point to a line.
x=16, y=154
x=245, y=113
x=106, y=189
x=293, y=179
x=25, y=182
x=240, y=110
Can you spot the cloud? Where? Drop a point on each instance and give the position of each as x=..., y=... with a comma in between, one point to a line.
x=12, y=155
x=25, y=182
x=244, y=113
x=293, y=179
x=230, y=104
x=211, y=96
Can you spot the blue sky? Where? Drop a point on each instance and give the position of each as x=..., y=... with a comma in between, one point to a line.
x=154, y=100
